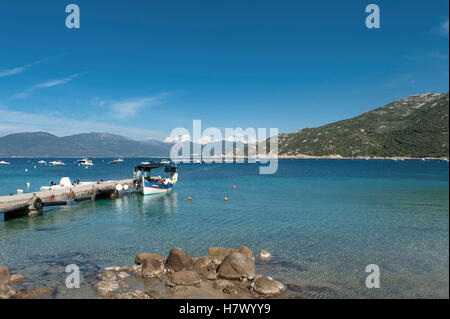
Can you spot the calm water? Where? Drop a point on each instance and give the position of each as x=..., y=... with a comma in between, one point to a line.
x=323, y=220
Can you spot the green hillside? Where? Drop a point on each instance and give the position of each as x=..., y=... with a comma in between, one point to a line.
x=416, y=126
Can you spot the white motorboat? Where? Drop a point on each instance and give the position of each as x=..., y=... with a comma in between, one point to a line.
x=4, y=163
x=56, y=163
x=41, y=162
x=85, y=162
x=119, y=160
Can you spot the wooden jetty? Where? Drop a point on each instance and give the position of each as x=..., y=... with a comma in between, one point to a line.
x=31, y=204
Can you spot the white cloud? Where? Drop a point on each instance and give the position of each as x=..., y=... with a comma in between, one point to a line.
x=129, y=108
x=28, y=92
x=20, y=69
x=16, y=122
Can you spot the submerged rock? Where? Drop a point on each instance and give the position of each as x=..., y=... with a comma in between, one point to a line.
x=35, y=292
x=123, y=275
x=6, y=292
x=108, y=275
x=179, y=260
x=237, y=266
x=107, y=286
x=267, y=286
x=16, y=279
x=4, y=274
x=185, y=278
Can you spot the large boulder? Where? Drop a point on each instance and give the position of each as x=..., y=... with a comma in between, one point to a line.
x=237, y=266
x=139, y=259
x=185, y=278
x=244, y=250
x=6, y=292
x=152, y=267
x=217, y=254
x=179, y=260
x=267, y=286
x=5, y=275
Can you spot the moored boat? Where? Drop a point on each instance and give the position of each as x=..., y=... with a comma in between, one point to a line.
x=85, y=162
x=118, y=160
x=150, y=185
x=56, y=163
x=4, y=163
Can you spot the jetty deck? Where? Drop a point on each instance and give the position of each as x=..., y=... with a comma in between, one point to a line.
x=30, y=204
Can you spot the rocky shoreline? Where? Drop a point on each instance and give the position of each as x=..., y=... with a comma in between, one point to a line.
x=222, y=273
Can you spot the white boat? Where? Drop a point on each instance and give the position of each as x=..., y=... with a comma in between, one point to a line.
x=56, y=163
x=41, y=162
x=85, y=162
x=65, y=183
x=197, y=161
x=151, y=185
x=119, y=160
x=4, y=163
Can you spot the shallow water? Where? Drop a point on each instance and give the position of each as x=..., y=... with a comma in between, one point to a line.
x=323, y=220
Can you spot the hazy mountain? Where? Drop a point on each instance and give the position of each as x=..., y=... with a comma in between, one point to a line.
x=416, y=126
x=41, y=144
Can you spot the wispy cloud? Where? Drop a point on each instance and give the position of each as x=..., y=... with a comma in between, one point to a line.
x=442, y=29
x=20, y=69
x=130, y=107
x=47, y=84
x=16, y=122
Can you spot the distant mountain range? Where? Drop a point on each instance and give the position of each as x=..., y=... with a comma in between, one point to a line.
x=41, y=144
x=416, y=126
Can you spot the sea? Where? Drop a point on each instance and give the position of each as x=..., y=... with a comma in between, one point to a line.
x=325, y=221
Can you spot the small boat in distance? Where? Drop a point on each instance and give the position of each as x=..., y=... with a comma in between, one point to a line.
x=118, y=160
x=150, y=185
x=56, y=163
x=41, y=162
x=85, y=162
x=4, y=163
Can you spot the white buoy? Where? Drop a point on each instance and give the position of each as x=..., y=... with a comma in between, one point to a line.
x=125, y=187
x=28, y=185
x=119, y=187
x=19, y=191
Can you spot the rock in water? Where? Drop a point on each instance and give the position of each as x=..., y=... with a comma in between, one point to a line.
x=107, y=286
x=108, y=275
x=185, y=278
x=16, y=279
x=179, y=260
x=152, y=267
x=237, y=266
x=267, y=286
x=123, y=275
x=139, y=259
x=264, y=255
x=5, y=275
x=6, y=292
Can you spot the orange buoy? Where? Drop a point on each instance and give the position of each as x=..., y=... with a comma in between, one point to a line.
x=225, y=199
x=234, y=186
x=189, y=198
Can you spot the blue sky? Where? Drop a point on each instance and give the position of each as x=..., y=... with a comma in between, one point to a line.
x=142, y=68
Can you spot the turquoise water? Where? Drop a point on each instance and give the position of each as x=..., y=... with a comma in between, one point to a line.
x=323, y=220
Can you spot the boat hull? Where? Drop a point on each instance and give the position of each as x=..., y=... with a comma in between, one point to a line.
x=154, y=188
